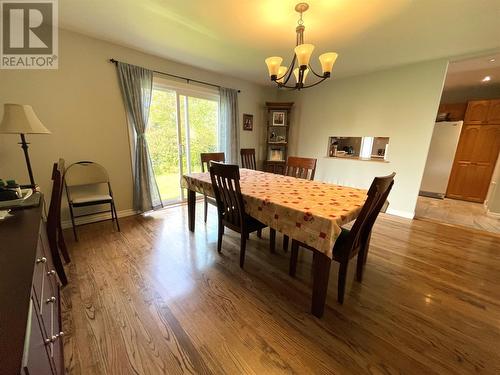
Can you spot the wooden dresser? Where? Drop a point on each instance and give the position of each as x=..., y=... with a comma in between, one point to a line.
x=30, y=309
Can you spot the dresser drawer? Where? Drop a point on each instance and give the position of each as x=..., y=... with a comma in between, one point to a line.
x=36, y=359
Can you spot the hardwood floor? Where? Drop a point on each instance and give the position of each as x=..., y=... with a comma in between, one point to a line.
x=157, y=299
x=457, y=212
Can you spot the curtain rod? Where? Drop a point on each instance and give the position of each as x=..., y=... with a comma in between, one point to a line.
x=188, y=80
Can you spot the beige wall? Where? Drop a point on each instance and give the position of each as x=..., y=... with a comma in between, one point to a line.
x=400, y=103
x=82, y=106
x=464, y=94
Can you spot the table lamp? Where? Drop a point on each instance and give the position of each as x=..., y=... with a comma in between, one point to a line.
x=21, y=119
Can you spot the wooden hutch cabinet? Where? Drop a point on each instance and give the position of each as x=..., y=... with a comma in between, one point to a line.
x=278, y=127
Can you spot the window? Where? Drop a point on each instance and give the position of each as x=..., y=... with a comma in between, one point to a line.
x=183, y=123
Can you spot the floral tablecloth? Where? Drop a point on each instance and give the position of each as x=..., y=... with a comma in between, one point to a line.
x=308, y=211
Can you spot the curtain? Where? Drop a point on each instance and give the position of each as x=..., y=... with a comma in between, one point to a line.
x=229, y=137
x=136, y=85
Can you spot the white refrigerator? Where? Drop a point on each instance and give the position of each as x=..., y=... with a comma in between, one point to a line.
x=440, y=158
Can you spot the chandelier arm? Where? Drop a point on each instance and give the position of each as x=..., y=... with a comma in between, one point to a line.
x=316, y=74
x=314, y=84
x=288, y=87
x=290, y=70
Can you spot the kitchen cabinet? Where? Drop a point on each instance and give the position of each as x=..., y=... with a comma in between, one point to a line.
x=494, y=112
x=475, y=159
x=477, y=112
x=455, y=111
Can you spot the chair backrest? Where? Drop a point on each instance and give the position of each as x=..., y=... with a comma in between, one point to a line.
x=207, y=157
x=248, y=158
x=85, y=173
x=377, y=196
x=54, y=215
x=226, y=185
x=300, y=167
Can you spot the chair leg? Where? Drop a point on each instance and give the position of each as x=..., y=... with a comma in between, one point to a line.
x=272, y=239
x=365, y=248
x=341, y=281
x=259, y=233
x=360, y=265
x=243, y=248
x=116, y=215
x=206, y=208
x=285, y=243
x=56, y=260
x=293, y=258
x=62, y=244
x=219, y=238
x=73, y=221
x=112, y=212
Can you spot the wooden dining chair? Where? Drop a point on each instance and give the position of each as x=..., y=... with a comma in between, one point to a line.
x=248, y=158
x=206, y=158
x=230, y=206
x=356, y=240
x=54, y=230
x=298, y=167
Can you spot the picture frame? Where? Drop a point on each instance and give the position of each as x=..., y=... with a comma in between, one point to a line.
x=279, y=118
x=247, y=122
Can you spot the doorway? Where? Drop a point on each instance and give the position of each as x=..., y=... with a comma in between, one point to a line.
x=460, y=185
x=183, y=123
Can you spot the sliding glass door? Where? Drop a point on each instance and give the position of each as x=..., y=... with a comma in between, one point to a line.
x=182, y=124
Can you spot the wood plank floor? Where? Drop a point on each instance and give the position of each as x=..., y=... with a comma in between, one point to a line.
x=157, y=299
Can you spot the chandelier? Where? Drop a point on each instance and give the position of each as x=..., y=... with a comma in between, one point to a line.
x=303, y=51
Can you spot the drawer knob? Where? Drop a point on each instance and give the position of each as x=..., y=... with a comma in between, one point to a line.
x=50, y=340
x=51, y=273
x=51, y=300
x=41, y=260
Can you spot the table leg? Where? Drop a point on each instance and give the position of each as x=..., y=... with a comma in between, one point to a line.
x=191, y=208
x=321, y=264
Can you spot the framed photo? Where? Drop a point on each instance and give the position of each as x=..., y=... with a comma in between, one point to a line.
x=279, y=118
x=247, y=122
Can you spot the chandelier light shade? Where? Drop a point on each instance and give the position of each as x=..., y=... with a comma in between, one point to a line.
x=300, y=65
x=327, y=60
x=273, y=65
x=303, y=53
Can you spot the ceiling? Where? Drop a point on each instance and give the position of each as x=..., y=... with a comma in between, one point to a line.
x=234, y=37
x=470, y=72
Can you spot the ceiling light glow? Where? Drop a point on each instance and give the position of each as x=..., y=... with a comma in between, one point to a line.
x=486, y=79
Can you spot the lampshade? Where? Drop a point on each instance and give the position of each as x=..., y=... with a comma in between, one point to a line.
x=327, y=60
x=303, y=53
x=21, y=119
x=296, y=74
x=281, y=74
x=273, y=65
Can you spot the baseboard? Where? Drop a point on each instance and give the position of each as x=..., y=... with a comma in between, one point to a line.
x=495, y=215
x=97, y=217
x=431, y=194
x=405, y=214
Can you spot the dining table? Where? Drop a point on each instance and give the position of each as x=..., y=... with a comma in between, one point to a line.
x=311, y=212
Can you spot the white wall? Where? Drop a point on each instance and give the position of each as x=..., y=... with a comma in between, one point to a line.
x=400, y=103
x=81, y=104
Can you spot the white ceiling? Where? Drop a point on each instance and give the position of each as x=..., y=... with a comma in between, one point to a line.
x=470, y=72
x=235, y=36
